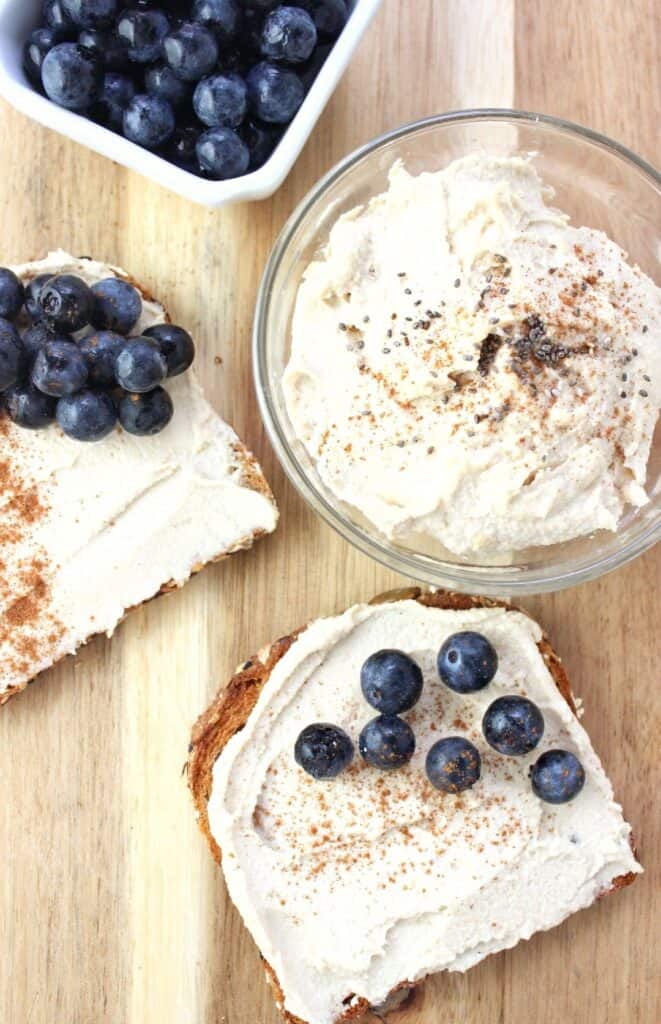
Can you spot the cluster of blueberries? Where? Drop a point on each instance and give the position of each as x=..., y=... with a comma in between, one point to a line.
x=90, y=383
x=209, y=84
x=392, y=683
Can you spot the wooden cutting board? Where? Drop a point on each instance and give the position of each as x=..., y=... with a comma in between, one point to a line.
x=110, y=907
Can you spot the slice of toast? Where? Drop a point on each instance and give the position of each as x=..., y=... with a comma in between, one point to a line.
x=90, y=531
x=229, y=712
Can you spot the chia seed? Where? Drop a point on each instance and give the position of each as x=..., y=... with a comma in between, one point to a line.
x=457, y=282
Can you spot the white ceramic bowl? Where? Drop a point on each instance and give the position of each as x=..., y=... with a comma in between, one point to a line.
x=19, y=17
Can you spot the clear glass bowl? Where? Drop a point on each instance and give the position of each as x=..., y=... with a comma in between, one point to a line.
x=600, y=184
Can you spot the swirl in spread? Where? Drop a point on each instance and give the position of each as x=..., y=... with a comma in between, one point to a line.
x=469, y=370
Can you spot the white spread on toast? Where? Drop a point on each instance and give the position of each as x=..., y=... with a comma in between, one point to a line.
x=469, y=370
x=354, y=885
x=90, y=530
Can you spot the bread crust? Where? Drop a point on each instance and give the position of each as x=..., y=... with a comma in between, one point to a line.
x=250, y=477
x=229, y=711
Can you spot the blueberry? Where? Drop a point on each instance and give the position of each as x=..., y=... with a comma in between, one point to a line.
x=453, y=764
x=148, y=121
x=59, y=369
x=161, y=81
x=35, y=49
x=146, y=414
x=117, y=92
x=220, y=100
x=261, y=140
x=140, y=365
x=387, y=742
x=323, y=750
x=329, y=16
x=513, y=725
x=391, y=681
x=288, y=35
x=222, y=17
x=29, y=407
x=116, y=305
x=12, y=355
x=274, y=95
x=71, y=76
x=308, y=72
x=250, y=38
x=467, y=662
x=66, y=302
x=100, y=351
x=37, y=336
x=191, y=51
x=181, y=147
x=56, y=17
x=88, y=416
x=222, y=154
x=176, y=345
x=91, y=13
x=557, y=777
x=143, y=32
x=12, y=294
x=106, y=46
x=32, y=293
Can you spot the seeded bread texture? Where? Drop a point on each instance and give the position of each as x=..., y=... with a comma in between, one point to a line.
x=229, y=711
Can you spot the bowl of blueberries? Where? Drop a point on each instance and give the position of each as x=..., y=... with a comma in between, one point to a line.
x=213, y=99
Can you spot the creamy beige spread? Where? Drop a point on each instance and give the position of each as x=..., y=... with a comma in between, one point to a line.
x=469, y=370
x=353, y=885
x=87, y=531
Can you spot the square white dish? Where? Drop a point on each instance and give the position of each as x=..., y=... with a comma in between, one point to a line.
x=18, y=18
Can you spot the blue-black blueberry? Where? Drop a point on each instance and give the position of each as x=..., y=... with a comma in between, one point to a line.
x=191, y=51
x=28, y=407
x=100, y=351
x=12, y=354
x=387, y=742
x=221, y=154
x=59, y=369
x=274, y=93
x=557, y=776
x=116, y=305
x=91, y=13
x=288, y=35
x=148, y=120
x=453, y=764
x=140, y=365
x=66, y=302
x=147, y=414
x=176, y=345
x=513, y=725
x=89, y=415
x=323, y=750
x=467, y=662
x=12, y=294
x=391, y=681
x=143, y=32
x=71, y=76
x=221, y=100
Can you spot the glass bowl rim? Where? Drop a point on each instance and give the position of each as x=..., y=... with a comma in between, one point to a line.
x=488, y=580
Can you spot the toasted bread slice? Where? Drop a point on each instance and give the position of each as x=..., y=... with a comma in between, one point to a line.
x=37, y=631
x=229, y=711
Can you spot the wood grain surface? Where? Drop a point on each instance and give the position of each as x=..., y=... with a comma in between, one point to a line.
x=111, y=909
